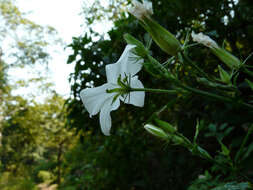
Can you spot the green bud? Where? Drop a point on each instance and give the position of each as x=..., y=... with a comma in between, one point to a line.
x=156, y=131
x=225, y=77
x=165, y=126
x=230, y=60
x=162, y=37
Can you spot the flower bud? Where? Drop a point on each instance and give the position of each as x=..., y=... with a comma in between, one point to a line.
x=163, y=38
x=204, y=39
x=165, y=126
x=156, y=131
x=230, y=60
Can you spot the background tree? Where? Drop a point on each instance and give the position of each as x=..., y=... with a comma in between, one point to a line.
x=33, y=134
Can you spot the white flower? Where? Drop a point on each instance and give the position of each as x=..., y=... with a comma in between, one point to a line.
x=99, y=100
x=141, y=9
x=204, y=39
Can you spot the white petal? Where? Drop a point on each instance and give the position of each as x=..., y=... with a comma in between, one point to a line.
x=115, y=105
x=148, y=6
x=94, y=98
x=136, y=97
x=129, y=62
x=139, y=10
x=128, y=65
x=131, y=65
x=112, y=72
x=125, y=53
x=135, y=10
x=105, y=117
x=204, y=39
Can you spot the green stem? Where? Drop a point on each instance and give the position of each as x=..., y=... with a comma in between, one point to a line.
x=211, y=95
x=154, y=90
x=191, y=45
x=204, y=93
x=194, y=90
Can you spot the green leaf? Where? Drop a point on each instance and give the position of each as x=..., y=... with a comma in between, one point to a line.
x=140, y=48
x=71, y=58
x=228, y=131
x=225, y=77
x=225, y=150
x=203, y=153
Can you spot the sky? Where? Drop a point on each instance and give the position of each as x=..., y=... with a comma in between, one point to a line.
x=65, y=17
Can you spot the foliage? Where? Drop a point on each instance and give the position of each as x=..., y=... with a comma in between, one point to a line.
x=33, y=133
x=10, y=182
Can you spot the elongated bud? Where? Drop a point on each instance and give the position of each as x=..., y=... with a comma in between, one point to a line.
x=163, y=38
x=230, y=60
x=156, y=131
x=165, y=126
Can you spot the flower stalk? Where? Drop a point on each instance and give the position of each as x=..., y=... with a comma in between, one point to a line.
x=196, y=91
